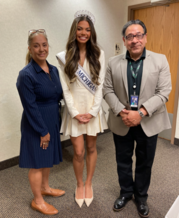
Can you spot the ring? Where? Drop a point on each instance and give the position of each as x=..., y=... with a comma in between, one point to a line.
x=45, y=143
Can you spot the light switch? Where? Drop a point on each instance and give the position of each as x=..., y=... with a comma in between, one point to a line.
x=118, y=48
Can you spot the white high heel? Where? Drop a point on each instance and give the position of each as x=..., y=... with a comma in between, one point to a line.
x=88, y=201
x=79, y=201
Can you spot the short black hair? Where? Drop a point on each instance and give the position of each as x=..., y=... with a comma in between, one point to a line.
x=131, y=22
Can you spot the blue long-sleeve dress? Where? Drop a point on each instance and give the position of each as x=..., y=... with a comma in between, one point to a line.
x=40, y=96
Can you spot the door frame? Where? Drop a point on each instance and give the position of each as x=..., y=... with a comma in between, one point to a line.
x=131, y=10
x=175, y=110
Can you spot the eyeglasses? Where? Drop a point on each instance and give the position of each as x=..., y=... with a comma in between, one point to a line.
x=36, y=31
x=138, y=36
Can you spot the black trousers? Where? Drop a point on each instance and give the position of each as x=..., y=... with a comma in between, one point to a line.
x=145, y=152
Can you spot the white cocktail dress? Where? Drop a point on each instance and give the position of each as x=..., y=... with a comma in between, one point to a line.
x=78, y=100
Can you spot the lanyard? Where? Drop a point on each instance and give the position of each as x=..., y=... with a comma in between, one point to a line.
x=134, y=74
x=132, y=70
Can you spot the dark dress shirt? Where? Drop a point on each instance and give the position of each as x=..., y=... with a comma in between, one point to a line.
x=130, y=78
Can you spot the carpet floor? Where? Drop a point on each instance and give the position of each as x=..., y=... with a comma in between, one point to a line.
x=16, y=196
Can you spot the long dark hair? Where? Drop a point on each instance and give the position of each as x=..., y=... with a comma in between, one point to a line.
x=92, y=52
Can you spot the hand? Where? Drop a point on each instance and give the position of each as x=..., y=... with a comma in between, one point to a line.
x=82, y=119
x=132, y=119
x=88, y=116
x=124, y=113
x=44, y=141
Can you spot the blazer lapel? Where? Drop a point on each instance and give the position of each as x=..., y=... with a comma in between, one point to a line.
x=145, y=73
x=124, y=73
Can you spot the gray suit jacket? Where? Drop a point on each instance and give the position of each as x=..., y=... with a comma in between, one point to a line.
x=154, y=93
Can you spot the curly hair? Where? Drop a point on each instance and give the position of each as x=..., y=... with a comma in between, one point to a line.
x=92, y=52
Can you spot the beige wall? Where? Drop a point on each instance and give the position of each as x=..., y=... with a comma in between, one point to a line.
x=19, y=16
x=135, y=2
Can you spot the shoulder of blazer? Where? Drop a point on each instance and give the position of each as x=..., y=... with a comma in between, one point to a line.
x=102, y=55
x=157, y=59
x=102, y=52
x=116, y=59
x=154, y=54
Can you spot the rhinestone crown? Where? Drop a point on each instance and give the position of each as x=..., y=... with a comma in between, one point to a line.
x=86, y=14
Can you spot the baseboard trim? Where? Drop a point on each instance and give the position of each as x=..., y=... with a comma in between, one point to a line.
x=9, y=163
x=176, y=141
x=15, y=160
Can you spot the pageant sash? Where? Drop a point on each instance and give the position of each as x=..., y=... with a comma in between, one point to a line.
x=81, y=74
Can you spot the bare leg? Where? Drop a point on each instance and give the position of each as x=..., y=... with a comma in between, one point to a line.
x=35, y=179
x=78, y=163
x=45, y=179
x=90, y=163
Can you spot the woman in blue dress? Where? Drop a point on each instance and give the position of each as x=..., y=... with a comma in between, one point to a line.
x=40, y=92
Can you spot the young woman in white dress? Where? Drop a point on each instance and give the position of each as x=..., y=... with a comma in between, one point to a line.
x=83, y=113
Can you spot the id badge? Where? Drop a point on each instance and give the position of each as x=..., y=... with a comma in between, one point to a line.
x=134, y=101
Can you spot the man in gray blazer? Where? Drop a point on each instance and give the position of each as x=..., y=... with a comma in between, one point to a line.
x=136, y=87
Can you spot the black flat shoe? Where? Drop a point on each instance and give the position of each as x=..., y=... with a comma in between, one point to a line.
x=120, y=203
x=142, y=208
